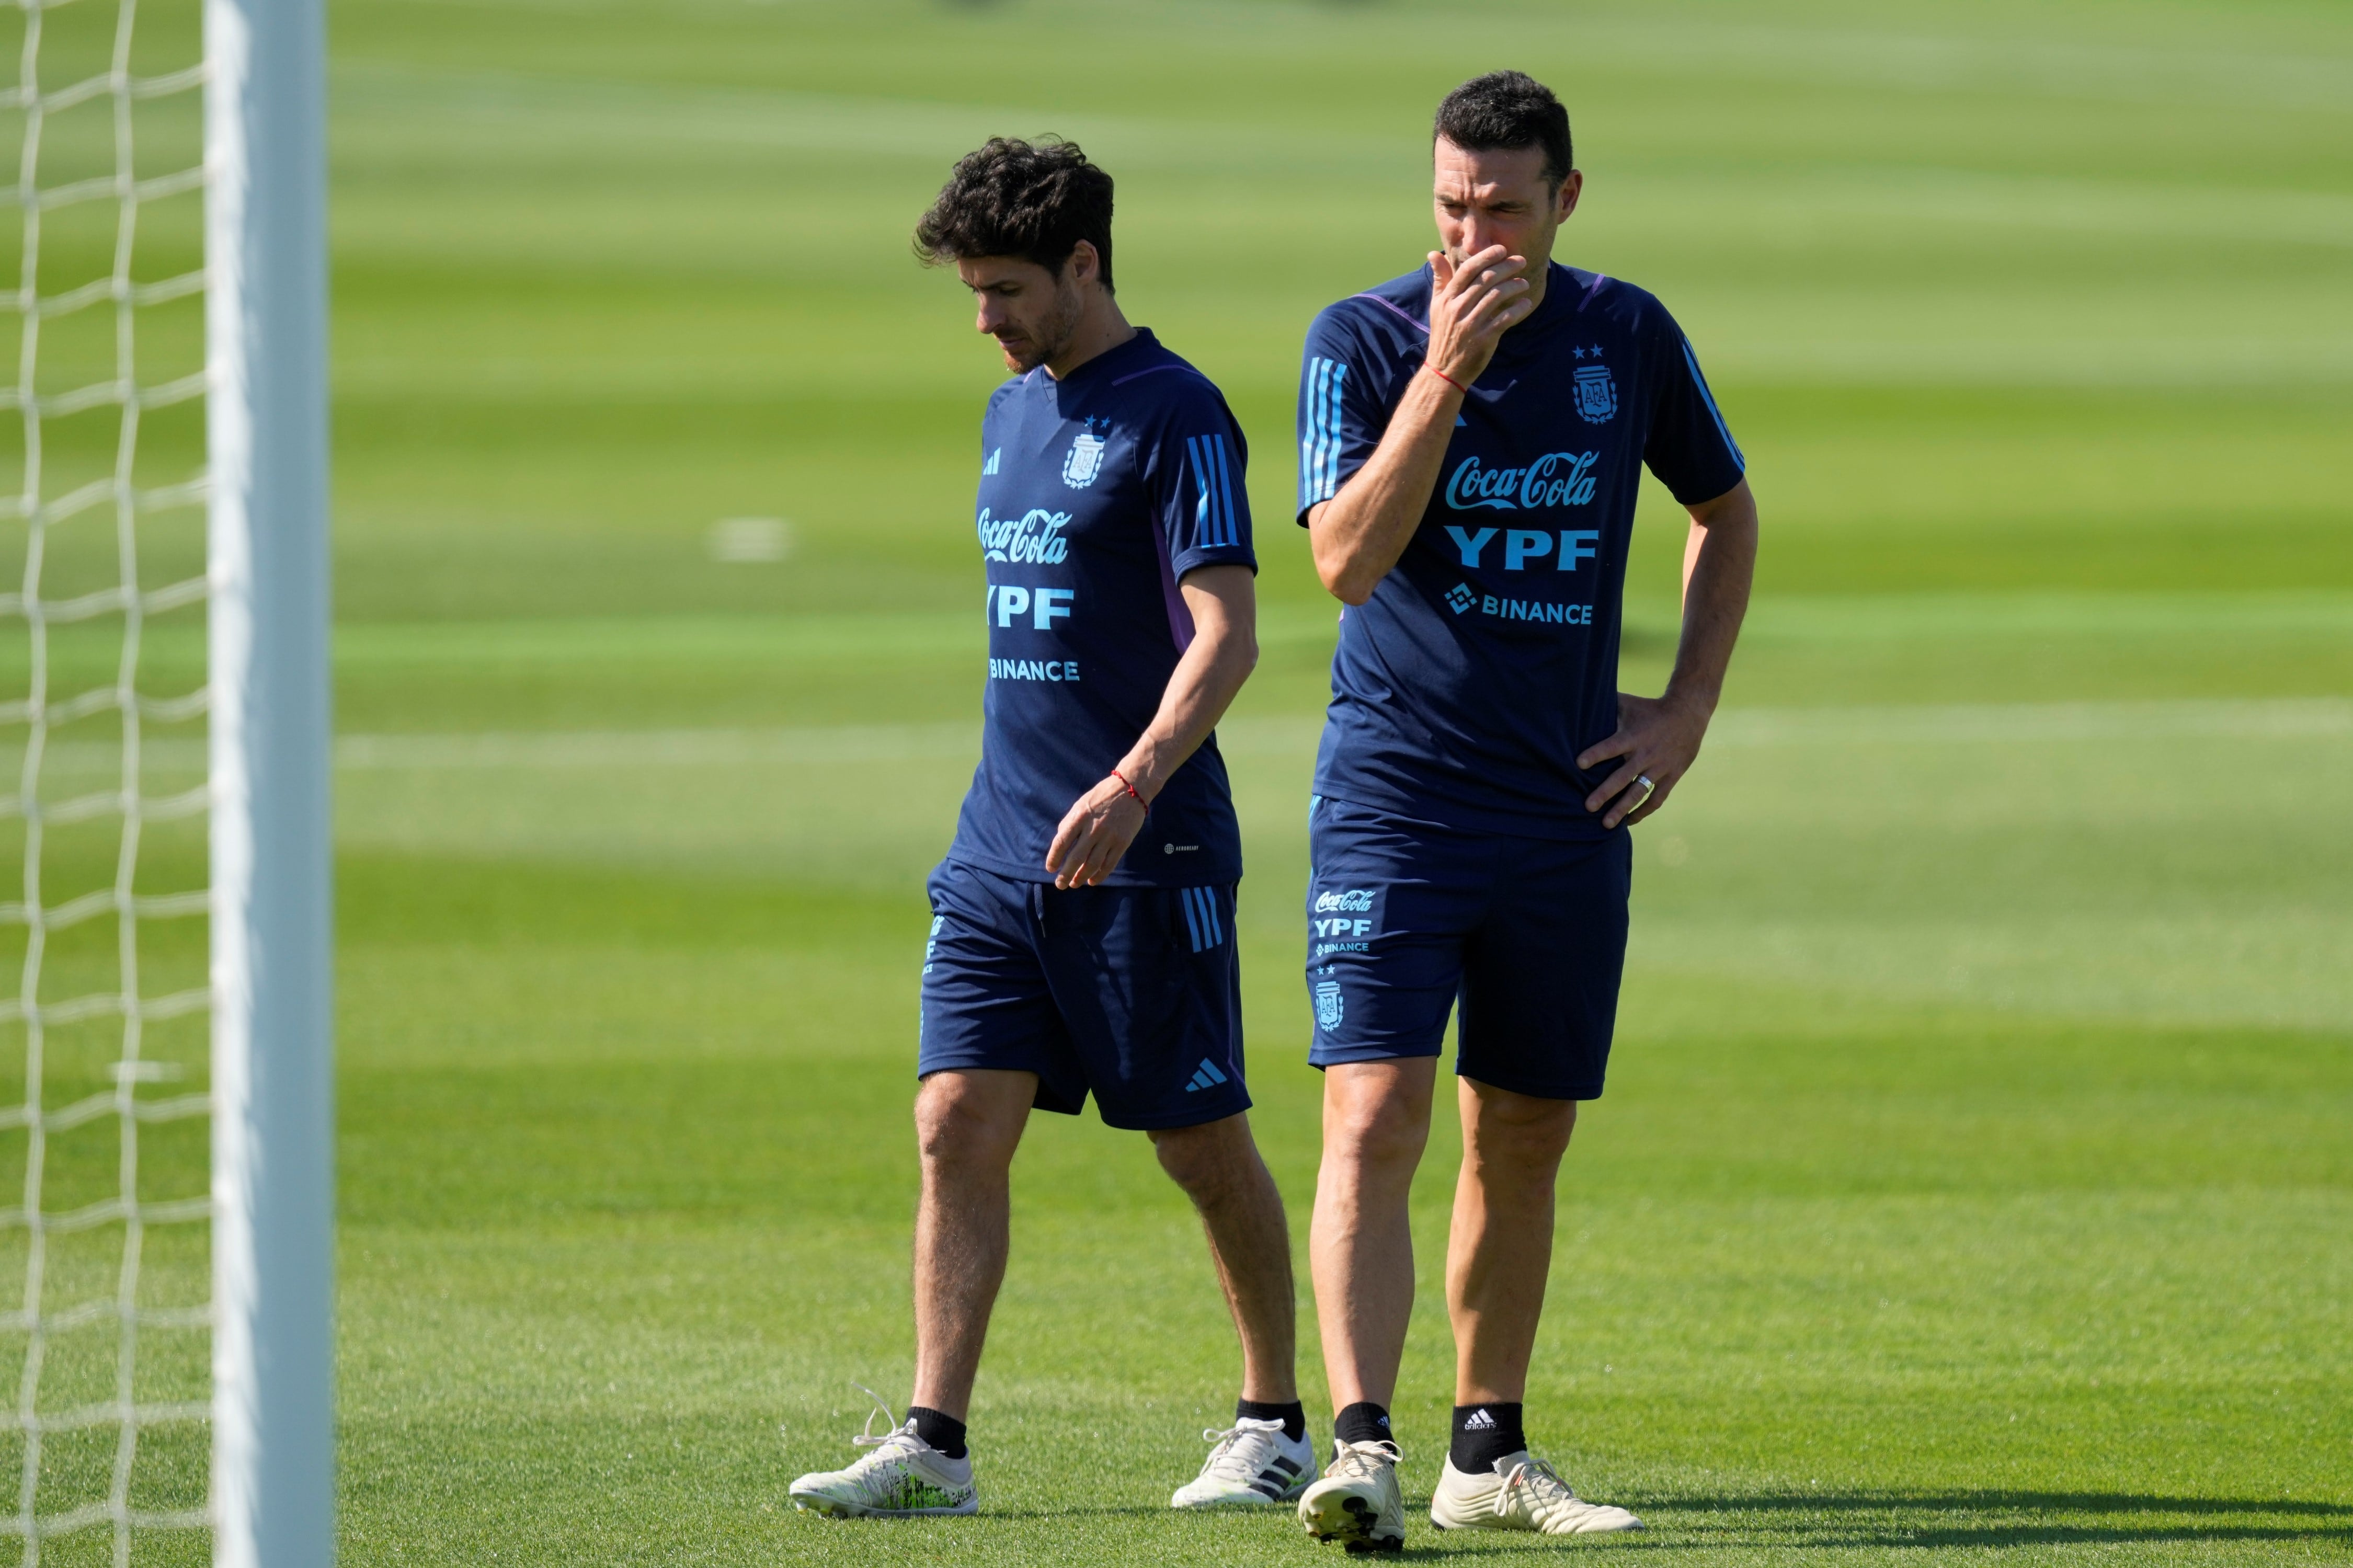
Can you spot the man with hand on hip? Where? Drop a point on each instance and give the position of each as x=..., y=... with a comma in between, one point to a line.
x=1472, y=438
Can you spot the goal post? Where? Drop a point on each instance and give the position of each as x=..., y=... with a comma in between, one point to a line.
x=166, y=1273
x=266, y=338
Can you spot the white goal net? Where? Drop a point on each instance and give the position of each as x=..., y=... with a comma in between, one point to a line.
x=102, y=648
x=164, y=1087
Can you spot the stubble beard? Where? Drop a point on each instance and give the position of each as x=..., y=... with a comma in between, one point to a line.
x=1052, y=336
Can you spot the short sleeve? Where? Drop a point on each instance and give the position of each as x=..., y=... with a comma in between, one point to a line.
x=1690, y=448
x=1339, y=422
x=1198, y=494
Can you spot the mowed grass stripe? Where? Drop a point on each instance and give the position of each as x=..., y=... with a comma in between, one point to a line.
x=820, y=745
x=588, y=122
x=70, y=766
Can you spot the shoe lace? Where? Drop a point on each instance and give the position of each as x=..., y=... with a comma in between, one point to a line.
x=1363, y=1459
x=1240, y=1451
x=900, y=1439
x=1541, y=1484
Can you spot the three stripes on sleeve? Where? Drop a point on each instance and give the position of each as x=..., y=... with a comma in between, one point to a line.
x=1213, y=515
x=1319, y=443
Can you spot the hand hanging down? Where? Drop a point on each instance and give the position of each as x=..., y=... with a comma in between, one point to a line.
x=1100, y=824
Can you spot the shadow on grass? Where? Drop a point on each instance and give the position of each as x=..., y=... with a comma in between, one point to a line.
x=1979, y=1519
x=1864, y=1519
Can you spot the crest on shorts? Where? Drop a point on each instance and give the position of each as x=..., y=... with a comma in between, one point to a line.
x=1597, y=395
x=1328, y=1006
x=1084, y=459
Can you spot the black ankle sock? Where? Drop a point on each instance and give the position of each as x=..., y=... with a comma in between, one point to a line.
x=1485, y=1434
x=943, y=1432
x=1293, y=1416
x=1363, y=1422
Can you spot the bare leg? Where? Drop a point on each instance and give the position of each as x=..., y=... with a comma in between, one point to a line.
x=1499, y=1253
x=967, y=1124
x=1360, y=1246
x=1217, y=1165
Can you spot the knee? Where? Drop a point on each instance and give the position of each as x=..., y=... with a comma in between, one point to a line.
x=954, y=1125
x=1205, y=1161
x=1376, y=1130
x=1520, y=1132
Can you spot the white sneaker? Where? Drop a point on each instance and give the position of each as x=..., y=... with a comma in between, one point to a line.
x=903, y=1477
x=1252, y=1465
x=1358, y=1502
x=1523, y=1493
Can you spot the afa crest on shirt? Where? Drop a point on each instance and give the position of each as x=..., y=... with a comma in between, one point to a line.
x=1597, y=395
x=1083, y=461
x=1328, y=1005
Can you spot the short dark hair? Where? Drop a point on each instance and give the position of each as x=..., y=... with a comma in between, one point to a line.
x=1010, y=197
x=1507, y=109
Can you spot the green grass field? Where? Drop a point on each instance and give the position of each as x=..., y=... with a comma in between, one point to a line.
x=1977, y=1170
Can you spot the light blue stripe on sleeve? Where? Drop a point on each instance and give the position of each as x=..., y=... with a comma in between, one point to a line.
x=1330, y=485
x=1713, y=412
x=1229, y=534
x=1206, y=457
x=1328, y=448
x=1323, y=448
x=1311, y=439
x=1324, y=402
x=1201, y=508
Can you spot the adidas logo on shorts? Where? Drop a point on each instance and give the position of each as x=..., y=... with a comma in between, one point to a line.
x=1205, y=1076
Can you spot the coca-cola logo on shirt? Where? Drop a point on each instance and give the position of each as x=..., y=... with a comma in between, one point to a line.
x=1034, y=537
x=1557, y=479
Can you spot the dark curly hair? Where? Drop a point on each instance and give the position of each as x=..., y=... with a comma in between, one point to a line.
x=1013, y=198
x=1504, y=110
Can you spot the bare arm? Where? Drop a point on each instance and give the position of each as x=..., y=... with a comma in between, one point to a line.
x=1358, y=534
x=1104, y=821
x=1659, y=737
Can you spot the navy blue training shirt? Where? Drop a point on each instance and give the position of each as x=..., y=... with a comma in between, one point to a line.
x=1098, y=493
x=1487, y=658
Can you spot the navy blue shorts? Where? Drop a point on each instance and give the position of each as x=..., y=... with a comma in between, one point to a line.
x=1404, y=918
x=1133, y=992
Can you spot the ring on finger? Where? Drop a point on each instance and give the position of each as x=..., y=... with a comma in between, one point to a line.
x=1649, y=788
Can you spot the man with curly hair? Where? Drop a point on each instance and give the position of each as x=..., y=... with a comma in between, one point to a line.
x=1083, y=924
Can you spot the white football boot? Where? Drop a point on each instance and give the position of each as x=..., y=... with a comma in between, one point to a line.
x=1523, y=1493
x=1252, y=1465
x=903, y=1477
x=1358, y=1502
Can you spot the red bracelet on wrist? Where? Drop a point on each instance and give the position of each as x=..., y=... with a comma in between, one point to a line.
x=1446, y=378
x=1130, y=789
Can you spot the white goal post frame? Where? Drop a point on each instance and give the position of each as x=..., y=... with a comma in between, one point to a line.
x=266, y=356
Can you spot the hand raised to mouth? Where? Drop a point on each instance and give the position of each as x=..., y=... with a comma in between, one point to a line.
x=1471, y=308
